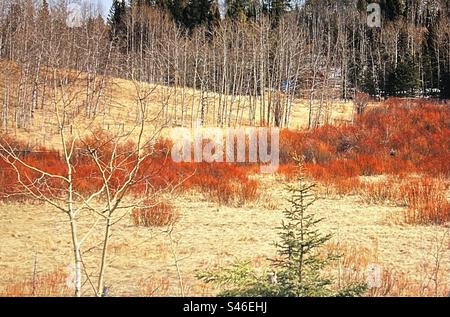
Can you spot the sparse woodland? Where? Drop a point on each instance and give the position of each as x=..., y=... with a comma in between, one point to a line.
x=105, y=161
x=272, y=53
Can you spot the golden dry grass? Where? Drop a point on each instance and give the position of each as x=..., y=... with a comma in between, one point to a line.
x=212, y=236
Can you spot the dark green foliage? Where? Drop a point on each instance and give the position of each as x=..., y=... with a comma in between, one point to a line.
x=276, y=9
x=445, y=85
x=362, y=5
x=44, y=13
x=200, y=12
x=430, y=58
x=242, y=10
x=300, y=265
x=192, y=13
x=240, y=280
x=252, y=9
x=44, y=8
x=369, y=84
x=298, y=270
x=177, y=9
x=117, y=20
x=393, y=9
x=404, y=80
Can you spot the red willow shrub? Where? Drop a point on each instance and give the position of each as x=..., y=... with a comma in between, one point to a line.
x=226, y=183
x=400, y=136
x=222, y=182
x=426, y=200
x=49, y=161
x=397, y=138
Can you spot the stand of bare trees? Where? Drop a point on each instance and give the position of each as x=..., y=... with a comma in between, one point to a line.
x=244, y=71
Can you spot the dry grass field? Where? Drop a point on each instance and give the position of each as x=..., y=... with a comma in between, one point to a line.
x=210, y=235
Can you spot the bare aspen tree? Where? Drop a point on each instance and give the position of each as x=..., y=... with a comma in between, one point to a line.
x=110, y=198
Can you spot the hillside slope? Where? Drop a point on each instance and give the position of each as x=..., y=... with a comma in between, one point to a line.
x=31, y=105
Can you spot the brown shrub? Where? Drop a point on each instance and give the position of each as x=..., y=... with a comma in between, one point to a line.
x=154, y=286
x=353, y=268
x=249, y=191
x=426, y=200
x=47, y=284
x=380, y=192
x=154, y=214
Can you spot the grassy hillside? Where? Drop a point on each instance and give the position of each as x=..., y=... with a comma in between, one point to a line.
x=116, y=102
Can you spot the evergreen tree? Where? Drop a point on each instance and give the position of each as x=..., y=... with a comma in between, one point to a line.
x=299, y=265
x=392, y=9
x=279, y=7
x=117, y=20
x=431, y=59
x=242, y=10
x=369, y=84
x=276, y=9
x=298, y=269
x=165, y=4
x=404, y=80
x=362, y=5
x=177, y=9
x=445, y=85
x=200, y=12
x=235, y=9
x=44, y=12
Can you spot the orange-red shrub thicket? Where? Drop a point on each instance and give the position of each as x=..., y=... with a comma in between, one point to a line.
x=427, y=202
x=399, y=137
x=222, y=182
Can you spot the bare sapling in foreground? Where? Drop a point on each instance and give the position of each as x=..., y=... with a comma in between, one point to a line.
x=115, y=161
